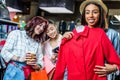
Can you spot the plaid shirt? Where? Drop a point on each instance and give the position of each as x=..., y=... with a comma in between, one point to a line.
x=18, y=44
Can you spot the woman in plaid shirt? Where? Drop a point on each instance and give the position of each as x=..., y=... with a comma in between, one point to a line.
x=18, y=46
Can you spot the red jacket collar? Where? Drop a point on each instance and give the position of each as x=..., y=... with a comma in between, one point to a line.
x=77, y=35
x=83, y=33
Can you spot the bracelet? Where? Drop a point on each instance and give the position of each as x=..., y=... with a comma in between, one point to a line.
x=39, y=65
x=116, y=67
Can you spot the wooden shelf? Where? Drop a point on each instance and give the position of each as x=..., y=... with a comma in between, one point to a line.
x=8, y=22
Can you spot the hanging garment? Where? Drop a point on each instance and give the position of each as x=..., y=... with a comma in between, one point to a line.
x=4, y=13
x=72, y=26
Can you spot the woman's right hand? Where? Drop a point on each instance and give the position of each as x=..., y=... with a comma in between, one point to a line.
x=54, y=57
x=31, y=59
x=105, y=70
x=68, y=35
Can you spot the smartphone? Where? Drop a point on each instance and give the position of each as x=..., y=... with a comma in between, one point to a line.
x=55, y=50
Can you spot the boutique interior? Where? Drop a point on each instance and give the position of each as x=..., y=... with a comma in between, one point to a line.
x=14, y=14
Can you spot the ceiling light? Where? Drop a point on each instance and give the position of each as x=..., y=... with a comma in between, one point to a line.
x=117, y=17
x=10, y=9
x=57, y=6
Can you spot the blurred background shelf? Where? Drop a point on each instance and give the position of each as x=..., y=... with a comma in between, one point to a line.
x=8, y=22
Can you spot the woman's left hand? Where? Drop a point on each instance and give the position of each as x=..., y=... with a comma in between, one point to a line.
x=103, y=71
x=36, y=67
x=54, y=57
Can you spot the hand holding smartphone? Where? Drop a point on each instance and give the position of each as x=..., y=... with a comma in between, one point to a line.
x=55, y=50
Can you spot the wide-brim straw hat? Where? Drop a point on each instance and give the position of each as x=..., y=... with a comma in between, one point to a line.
x=99, y=2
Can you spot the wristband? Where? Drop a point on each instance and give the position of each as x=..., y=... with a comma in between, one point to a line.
x=39, y=65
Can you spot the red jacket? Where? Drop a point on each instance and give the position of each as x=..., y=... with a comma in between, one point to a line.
x=85, y=50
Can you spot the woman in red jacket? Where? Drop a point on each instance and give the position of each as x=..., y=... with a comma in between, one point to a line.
x=89, y=46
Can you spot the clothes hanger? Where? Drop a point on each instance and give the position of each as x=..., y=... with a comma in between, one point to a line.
x=80, y=28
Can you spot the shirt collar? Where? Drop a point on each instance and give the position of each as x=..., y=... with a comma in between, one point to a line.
x=83, y=33
x=77, y=35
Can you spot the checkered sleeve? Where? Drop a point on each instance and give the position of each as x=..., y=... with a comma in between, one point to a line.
x=40, y=56
x=9, y=46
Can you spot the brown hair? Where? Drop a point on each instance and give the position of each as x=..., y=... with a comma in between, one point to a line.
x=31, y=26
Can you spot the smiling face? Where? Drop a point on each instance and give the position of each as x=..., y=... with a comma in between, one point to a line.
x=39, y=28
x=92, y=15
x=51, y=31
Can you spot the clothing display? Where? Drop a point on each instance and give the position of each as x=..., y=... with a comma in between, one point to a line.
x=83, y=52
x=72, y=26
x=5, y=29
x=4, y=13
x=114, y=38
x=62, y=27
